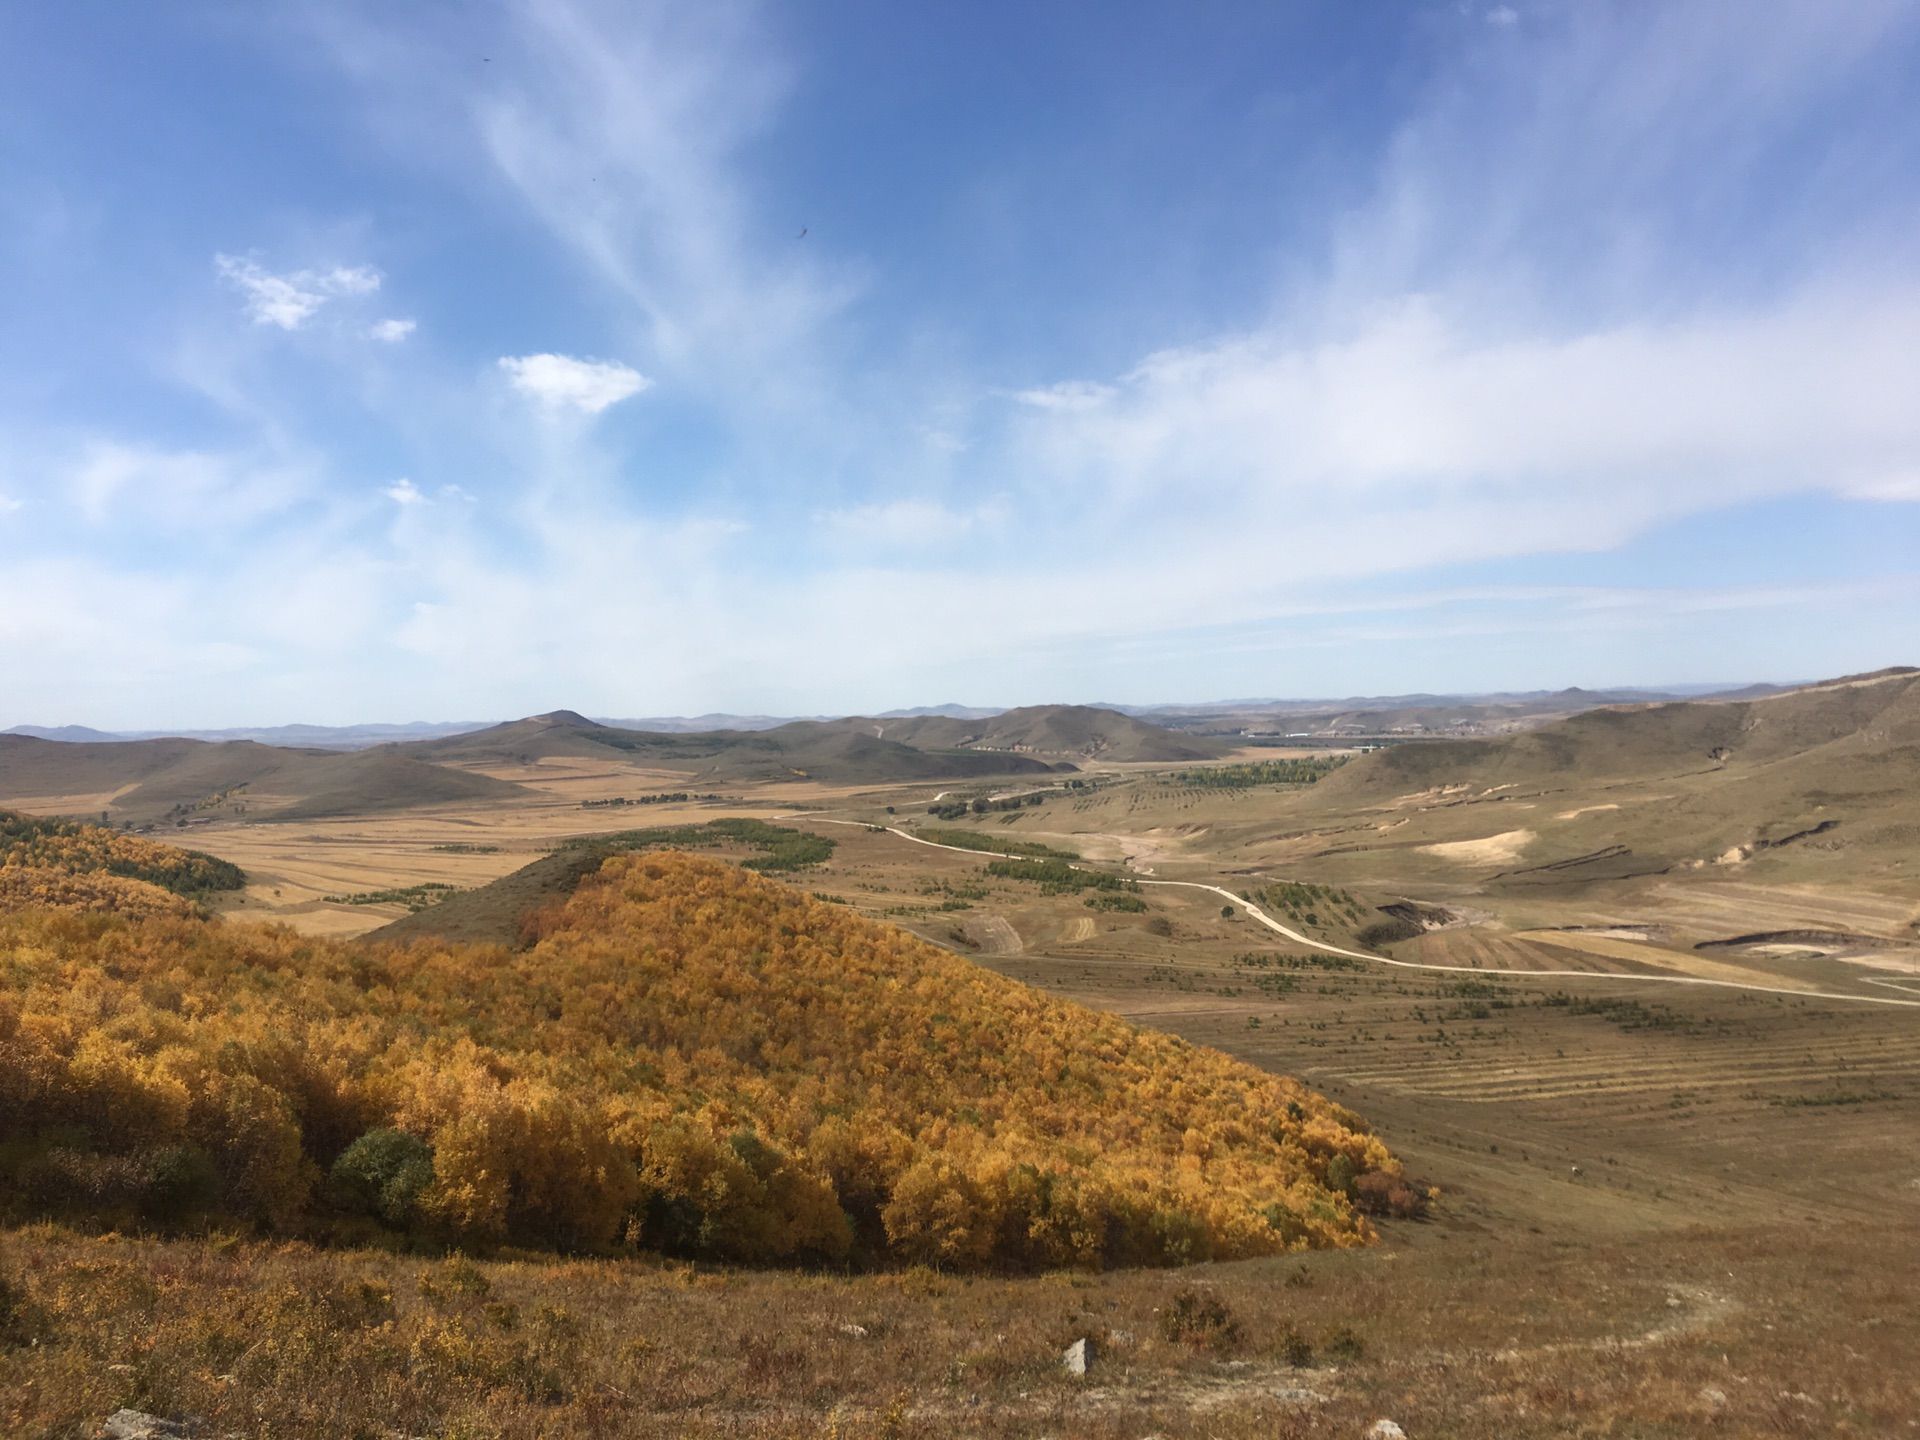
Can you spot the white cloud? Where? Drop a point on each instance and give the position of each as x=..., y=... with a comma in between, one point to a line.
x=162, y=490
x=1416, y=409
x=1503, y=15
x=392, y=332
x=904, y=524
x=8, y=504
x=404, y=492
x=290, y=300
x=1067, y=395
x=1894, y=487
x=560, y=382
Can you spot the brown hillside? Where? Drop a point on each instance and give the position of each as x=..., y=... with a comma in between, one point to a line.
x=828, y=751
x=1071, y=732
x=1816, y=785
x=147, y=781
x=1873, y=720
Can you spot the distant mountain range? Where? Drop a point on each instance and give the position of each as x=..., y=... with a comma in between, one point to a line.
x=1222, y=717
x=314, y=737
x=184, y=780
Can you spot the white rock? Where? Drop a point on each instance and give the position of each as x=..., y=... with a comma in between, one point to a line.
x=1079, y=1357
x=1385, y=1430
x=855, y=1332
x=138, y=1425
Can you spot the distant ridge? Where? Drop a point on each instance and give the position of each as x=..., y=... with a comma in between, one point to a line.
x=836, y=752
x=152, y=781
x=1069, y=732
x=313, y=737
x=1201, y=716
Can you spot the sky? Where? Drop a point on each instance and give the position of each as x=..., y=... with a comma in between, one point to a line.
x=469, y=360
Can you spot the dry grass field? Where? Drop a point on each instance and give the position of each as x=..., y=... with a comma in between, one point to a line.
x=1665, y=1209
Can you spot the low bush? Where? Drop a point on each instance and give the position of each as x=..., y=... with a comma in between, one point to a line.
x=1380, y=1193
x=1200, y=1318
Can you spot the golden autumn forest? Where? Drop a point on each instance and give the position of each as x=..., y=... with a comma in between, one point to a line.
x=684, y=1057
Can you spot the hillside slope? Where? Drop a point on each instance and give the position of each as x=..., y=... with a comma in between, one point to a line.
x=1071, y=732
x=1873, y=719
x=829, y=751
x=147, y=781
x=689, y=1058
x=1815, y=785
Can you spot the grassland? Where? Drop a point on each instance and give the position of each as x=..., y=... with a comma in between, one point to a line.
x=1665, y=1209
x=1455, y=1331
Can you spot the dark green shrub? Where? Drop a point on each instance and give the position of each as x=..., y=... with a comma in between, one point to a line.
x=178, y=1181
x=382, y=1173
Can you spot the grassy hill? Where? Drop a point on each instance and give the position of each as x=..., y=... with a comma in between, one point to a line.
x=1073, y=732
x=155, y=781
x=1874, y=718
x=1818, y=784
x=829, y=751
x=686, y=1057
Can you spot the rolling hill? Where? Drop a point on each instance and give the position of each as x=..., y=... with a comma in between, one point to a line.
x=1823, y=780
x=1062, y=732
x=1414, y=715
x=837, y=752
x=1873, y=719
x=151, y=781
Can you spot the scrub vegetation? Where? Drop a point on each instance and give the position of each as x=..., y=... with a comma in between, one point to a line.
x=682, y=1058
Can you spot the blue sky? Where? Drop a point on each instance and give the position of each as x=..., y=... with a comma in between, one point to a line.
x=462, y=360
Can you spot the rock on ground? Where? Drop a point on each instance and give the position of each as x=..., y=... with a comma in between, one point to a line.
x=1079, y=1357
x=138, y=1425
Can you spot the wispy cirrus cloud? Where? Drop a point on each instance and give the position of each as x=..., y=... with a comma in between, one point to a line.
x=113, y=483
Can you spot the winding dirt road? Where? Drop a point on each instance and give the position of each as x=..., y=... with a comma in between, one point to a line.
x=1297, y=938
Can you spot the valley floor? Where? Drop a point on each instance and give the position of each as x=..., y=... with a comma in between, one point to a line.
x=1455, y=1329
x=1665, y=1211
